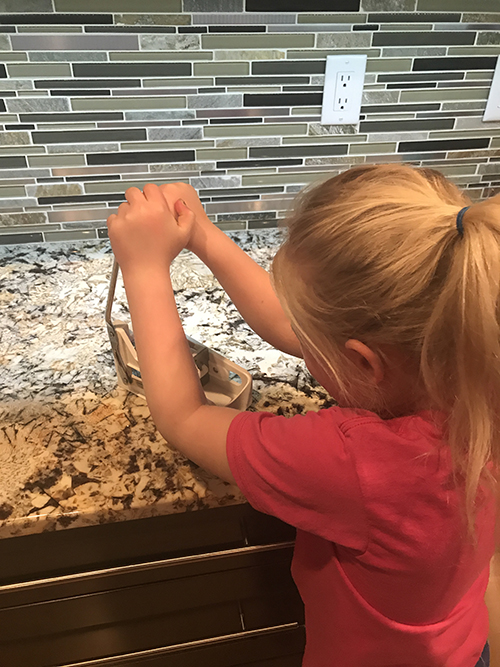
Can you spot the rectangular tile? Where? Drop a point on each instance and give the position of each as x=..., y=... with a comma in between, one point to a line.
x=270, y=129
x=103, y=70
x=76, y=235
x=302, y=6
x=66, y=56
x=59, y=42
x=221, y=153
x=234, y=164
x=146, y=156
x=296, y=151
x=36, y=104
x=87, y=83
x=289, y=67
x=117, y=5
x=126, y=103
x=224, y=101
x=445, y=94
x=256, y=41
x=220, y=69
x=213, y=5
x=159, y=42
x=69, y=117
x=423, y=38
x=442, y=145
x=56, y=160
x=13, y=162
x=76, y=136
x=403, y=125
x=260, y=80
x=282, y=99
x=14, y=239
x=51, y=18
x=33, y=70
x=130, y=28
x=300, y=178
x=457, y=5
x=164, y=56
x=449, y=63
x=398, y=17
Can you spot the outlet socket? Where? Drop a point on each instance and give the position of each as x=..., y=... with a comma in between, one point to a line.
x=492, y=111
x=343, y=90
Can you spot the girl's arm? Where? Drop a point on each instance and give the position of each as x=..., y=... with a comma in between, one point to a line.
x=145, y=238
x=492, y=598
x=247, y=284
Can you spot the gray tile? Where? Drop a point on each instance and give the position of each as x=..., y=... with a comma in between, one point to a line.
x=38, y=104
x=332, y=18
x=126, y=103
x=35, y=71
x=82, y=148
x=76, y=136
x=423, y=38
x=12, y=57
x=15, y=239
x=58, y=42
x=457, y=5
x=54, y=189
x=167, y=114
x=182, y=42
x=395, y=51
x=117, y=5
x=164, y=134
x=213, y=5
x=164, y=56
x=5, y=43
x=480, y=18
x=182, y=166
x=319, y=129
x=21, y=6
x=18, y=203
x=392, y=5
x=255, y=41
x=221, y=69
x=344, y=40
x=81, y=215
x=12, y=138
x=14, y=219
x=216, y=182
x=152, y=19
x=226, y=226
x=16, y=84
x=56, y=160
x=248, y=141
x=245, y=18
x=488, y=37
x=250, y=54
x=210, y=101
x=68, y=56
x=70, y=236
x=298, y=151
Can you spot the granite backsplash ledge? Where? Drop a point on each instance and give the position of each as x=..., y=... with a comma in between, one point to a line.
x=101, y=95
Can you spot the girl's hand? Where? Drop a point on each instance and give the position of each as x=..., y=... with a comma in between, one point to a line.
x=147, y=232
x=174, y=191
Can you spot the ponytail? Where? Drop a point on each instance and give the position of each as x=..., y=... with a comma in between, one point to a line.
x=460, y=360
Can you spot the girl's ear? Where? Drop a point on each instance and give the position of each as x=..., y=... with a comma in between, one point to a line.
x=366, y=359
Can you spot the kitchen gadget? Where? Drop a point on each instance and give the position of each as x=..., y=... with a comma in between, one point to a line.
x=224, y=382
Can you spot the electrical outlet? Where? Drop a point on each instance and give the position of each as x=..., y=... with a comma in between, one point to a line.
x=492, y=111
x=343, y=90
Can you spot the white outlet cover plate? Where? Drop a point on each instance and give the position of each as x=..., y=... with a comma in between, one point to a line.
x=492, y=111
x=356, y=67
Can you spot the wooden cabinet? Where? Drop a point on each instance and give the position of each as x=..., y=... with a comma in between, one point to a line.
x=206, y=588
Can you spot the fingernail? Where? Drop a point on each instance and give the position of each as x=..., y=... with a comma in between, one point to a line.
x=182, y=200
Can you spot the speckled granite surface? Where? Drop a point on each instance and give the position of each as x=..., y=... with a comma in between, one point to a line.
x=74, y=449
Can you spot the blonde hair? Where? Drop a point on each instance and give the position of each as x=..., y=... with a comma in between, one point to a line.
x=374, y=254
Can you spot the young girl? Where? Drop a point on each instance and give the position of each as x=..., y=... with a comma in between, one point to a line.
x=388, y=286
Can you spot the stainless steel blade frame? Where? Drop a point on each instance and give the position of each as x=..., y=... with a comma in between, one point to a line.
x=224, y=382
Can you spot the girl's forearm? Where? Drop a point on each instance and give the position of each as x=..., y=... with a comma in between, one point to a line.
x=248, y=286
x=170, y=378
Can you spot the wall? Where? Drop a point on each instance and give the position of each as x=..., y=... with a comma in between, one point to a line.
x=227, y=94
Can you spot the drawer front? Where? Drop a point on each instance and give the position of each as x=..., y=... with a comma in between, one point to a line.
x=148, y=606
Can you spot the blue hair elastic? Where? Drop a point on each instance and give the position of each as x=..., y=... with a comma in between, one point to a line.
x=460, y=215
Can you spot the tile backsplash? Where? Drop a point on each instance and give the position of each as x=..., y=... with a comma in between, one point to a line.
x=100, y=95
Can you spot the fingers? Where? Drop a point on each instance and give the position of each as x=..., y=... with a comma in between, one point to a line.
x=133, y=195
x=152, y=193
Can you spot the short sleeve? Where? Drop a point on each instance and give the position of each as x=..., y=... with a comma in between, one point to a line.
x=300, y=470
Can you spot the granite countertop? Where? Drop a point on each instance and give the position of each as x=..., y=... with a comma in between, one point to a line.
x=74, y=449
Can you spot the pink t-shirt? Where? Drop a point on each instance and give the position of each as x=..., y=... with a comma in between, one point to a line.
x=381, y=562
